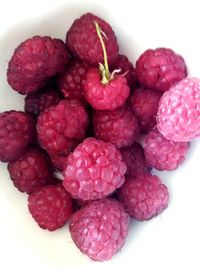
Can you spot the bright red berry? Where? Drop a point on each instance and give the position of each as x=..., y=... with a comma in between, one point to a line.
x=50, y=206
x=17, y=130
x=159, y=69
x=99, y=230
x=34, y=61
x=94, y=170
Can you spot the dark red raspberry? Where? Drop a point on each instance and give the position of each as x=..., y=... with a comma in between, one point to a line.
x=119, y=127
x=36, y=103
x=59, y=161
x=127, y=69
x=105, y=96
x=178, y=117
x=95, y=169
x=62, y=126
x=50, y=206
x=159, y=69
x=99, y=230
x=34, y=61
x=17, y=130
x=144, y=197
x=144, y=103
x=163, y=154
x=31, y=170
x=84, y=43
x=71, y=81
x=135, y=160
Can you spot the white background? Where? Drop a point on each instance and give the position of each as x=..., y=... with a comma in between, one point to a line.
x=171, y=239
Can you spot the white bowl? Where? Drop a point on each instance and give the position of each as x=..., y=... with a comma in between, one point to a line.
x=171, y=239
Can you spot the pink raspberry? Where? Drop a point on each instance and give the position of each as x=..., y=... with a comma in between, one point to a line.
x=178, y=117
x=59, y=161
x=62, y=126
x=36, y=103
x=100, y=229
x=17, y=130
x=163, y=154
x=119, y=127
x=95, y=169
x=127, y=69
x=144, y=103
x=84, y=43
x=159, y=69
x=135, y=160
x=34, y=61
x=108, y=96
x=144, y=197
x=71, y=81
x=50, y=206
x=31, y=170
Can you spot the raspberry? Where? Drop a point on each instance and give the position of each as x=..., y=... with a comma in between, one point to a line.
x=34, y=61
x=144, y=103
x=99, y=230
x=50, y=206
x=84, y=43
x=144, y=197
x=59, y=161
x=120, y=127
x=95, y=169
x=135, y=160
x=109, y=96
x=17, y=130
x=62, y=126
x=163, y=154
x=31, y=170
x=159, y=69
x=127, y=69
x=36, y=103
x=71, y=81
x=178, y=117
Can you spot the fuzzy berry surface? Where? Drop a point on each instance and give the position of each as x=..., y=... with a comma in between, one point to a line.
x=50, y=206
x=159, y=69
x=178, y=117
x=34, y=61
x=119, y=127
x=84, y=43
x=109, y=96
x=95, y=169
x=144, y=197
x=100, y=229
x=17, y=130
x=71, y=82
x=62, y=126
x=163, y=154
x=144, y=103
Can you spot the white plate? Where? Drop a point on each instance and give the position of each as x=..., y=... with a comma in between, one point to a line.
x=171, y=239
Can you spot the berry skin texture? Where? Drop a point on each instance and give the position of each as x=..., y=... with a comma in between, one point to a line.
x=59, y=161
x=95, y=169
x=163, y=154
x=99, y=230
x=34, y=61
x=62, y=126
x=17, y=130
x=36, y=103
x=144, y=103
x=159, y=69
x=135, y=160
x=178, y=117
x=84, y=43
x=144, y=197
x=119, y=127
x=108, y=96
x=31, y=170
x=71, y=81
x=50, y=206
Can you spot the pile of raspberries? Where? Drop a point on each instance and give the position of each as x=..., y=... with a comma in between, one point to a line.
x=86, y=110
